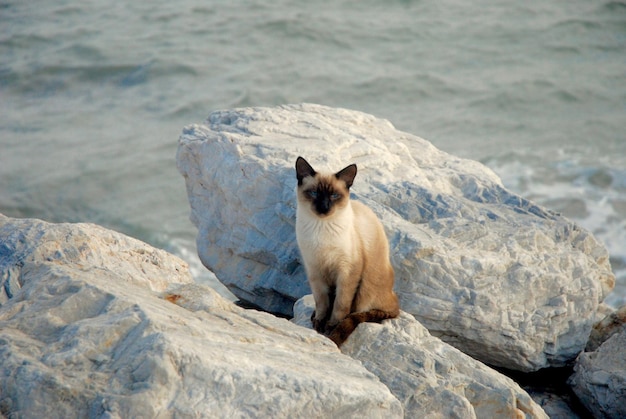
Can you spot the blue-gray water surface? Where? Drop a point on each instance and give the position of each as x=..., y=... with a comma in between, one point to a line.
x=94, y=94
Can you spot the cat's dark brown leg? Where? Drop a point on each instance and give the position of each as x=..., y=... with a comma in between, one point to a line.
x=346, y=290
x=322, y=305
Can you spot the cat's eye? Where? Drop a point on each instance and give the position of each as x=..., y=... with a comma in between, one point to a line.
x=312, y=194
x=335, y=196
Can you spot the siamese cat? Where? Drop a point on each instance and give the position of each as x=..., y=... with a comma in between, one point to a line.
x=345, y=253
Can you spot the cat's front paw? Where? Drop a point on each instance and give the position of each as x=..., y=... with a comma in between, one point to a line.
x=329, y=327
x=318, y=324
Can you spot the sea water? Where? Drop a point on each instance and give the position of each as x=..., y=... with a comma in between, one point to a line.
x=94, y=94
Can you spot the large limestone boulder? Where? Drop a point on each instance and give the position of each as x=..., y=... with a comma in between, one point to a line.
x=599, y=378
x=431, y=378
x=506, y=281
x=96, y=324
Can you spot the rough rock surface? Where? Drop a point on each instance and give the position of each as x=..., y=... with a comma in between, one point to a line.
x=431, y=378
x=491, y=273
x=599, y=378
x=557, y=406
x=88, y=328
x=611, y=324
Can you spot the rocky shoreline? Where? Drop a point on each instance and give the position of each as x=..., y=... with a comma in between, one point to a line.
x=97, y=324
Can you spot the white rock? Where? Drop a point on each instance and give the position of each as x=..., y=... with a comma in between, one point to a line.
x=493, y=274
x=599, y=378
x=88, y=329
x=431, y=378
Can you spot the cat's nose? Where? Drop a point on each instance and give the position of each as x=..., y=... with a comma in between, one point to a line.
x=323, y=205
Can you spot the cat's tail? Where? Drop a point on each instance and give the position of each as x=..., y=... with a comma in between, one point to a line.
x=341, y=332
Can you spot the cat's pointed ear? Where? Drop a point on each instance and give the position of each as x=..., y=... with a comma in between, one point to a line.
x=303, y=169
x=347, y=174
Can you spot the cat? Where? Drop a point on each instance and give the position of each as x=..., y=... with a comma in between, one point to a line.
x=345, y=253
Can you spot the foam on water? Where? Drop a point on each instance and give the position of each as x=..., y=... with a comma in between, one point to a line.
x=594, y=197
